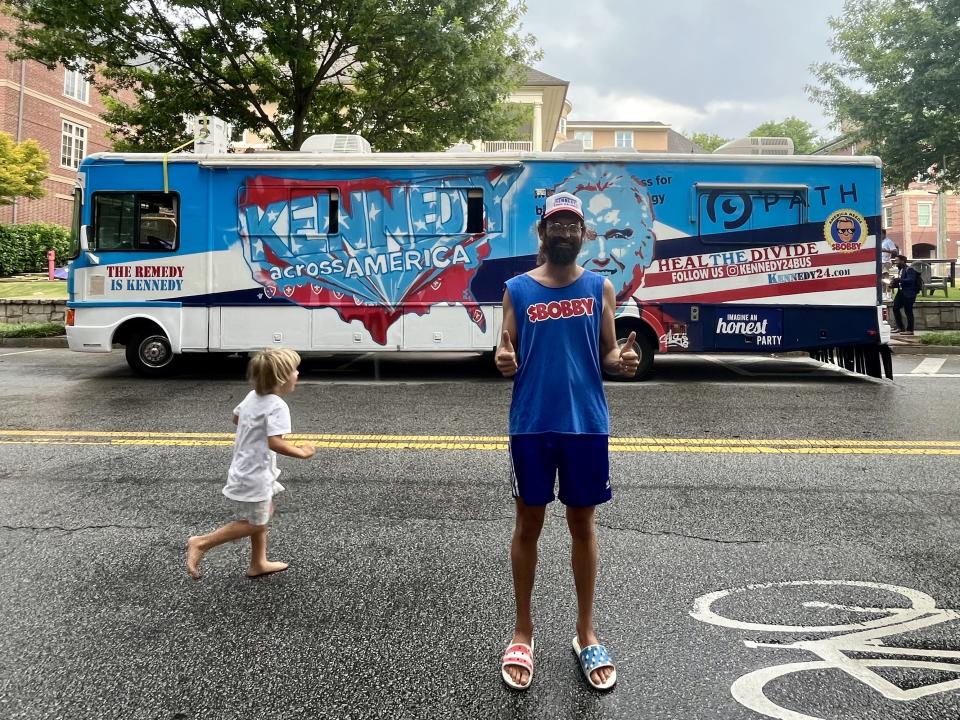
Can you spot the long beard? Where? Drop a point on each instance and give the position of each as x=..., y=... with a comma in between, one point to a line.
x=561, y=252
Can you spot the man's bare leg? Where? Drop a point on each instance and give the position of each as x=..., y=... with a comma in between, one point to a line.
x=259, y=565
x=584, y=557
x=198, y=545
x=523, y=559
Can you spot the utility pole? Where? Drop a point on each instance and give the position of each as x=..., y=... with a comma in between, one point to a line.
x=942, y=250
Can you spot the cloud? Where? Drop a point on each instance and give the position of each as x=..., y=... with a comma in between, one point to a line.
x=718, y=67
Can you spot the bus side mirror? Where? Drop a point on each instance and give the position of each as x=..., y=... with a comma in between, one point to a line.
x=85, y=245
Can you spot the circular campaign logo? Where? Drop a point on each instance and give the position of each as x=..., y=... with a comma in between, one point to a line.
x=845, y=230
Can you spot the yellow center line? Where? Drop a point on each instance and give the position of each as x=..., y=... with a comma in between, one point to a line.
x=888, y=445
x=796, y=446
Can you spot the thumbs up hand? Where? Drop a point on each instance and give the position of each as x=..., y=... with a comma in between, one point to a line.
x=506, y=357
x=629, y=360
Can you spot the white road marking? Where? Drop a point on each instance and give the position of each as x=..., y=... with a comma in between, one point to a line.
x=915, y=374
x=843, y=652
x=929, y=366
x=23, y=352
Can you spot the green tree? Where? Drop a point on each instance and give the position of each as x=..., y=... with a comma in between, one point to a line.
x=23, y=168
x=707, y=141
x=804, y=137
x=410, y=75
x=896, y=86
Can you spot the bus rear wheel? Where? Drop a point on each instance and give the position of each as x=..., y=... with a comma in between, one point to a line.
x=149, y=354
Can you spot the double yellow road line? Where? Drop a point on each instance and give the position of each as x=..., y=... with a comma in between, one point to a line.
x=499, y=443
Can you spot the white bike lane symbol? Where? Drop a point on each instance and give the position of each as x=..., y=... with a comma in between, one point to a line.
x=842, y=640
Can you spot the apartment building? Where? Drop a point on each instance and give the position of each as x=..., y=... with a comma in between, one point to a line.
x=61, y=111
x=645, y=136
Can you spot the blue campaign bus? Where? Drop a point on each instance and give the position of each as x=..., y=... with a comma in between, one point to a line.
x=359, y=252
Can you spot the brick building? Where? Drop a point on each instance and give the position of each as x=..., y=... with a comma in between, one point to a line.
x=61, y=111
x=913, y=218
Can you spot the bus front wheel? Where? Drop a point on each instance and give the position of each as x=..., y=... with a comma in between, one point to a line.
x=149, y=354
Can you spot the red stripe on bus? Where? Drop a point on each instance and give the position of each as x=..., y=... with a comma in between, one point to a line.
x=799, y=287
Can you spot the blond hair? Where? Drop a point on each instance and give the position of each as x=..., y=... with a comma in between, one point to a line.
x=271, y=368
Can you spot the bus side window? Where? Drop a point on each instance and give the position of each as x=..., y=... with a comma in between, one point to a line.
x=114, y=215
x=334, y=227
x=475, y=210
x=724, y=209
x=158, y=222
x=135, y=221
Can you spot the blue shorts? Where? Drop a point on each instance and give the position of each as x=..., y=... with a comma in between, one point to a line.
x=581, y=461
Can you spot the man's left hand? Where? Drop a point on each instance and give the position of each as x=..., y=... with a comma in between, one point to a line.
x=629, y=361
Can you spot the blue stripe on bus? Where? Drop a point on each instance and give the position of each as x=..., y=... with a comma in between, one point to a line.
x=122, y=303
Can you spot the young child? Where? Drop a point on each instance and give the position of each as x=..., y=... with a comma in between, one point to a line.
x=262, y=419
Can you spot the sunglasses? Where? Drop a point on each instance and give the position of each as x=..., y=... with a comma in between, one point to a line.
x=565, y=228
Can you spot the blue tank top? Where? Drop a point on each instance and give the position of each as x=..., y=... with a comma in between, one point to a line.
x=558, y=386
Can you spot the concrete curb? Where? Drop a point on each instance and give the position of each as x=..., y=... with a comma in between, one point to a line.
x=919, y=349
x=60, y=341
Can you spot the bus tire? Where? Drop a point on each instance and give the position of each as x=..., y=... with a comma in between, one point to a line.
x=149, y=353
x=643, y=345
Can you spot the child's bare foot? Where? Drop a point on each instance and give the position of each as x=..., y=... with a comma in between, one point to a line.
x=266, y=568
x=194, y=556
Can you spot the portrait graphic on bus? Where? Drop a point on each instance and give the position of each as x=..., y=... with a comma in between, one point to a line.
x=619, y=218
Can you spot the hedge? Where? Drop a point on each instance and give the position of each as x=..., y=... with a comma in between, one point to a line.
x=23, y=248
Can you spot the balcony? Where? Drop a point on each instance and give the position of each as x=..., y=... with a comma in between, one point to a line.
x=507, y=146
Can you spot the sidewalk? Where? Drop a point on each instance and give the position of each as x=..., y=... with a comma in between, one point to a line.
x=911, y=345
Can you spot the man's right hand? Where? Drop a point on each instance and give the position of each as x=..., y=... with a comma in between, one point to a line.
x=506, y=357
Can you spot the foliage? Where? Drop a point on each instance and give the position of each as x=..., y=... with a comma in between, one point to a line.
x=804, y=137
x=31, y=330
x=23, y=248
x=896, y=87
x=23, y=168
x=940, y=338
x=411, y=75
x=707, y=141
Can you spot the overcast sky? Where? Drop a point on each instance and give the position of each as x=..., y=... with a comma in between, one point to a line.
x=714, y=66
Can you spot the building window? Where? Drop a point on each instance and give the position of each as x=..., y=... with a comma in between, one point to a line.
x=75, y=85
x=586, y=137
x=924, y=214
x=887, y=216
x=563, y=127
x=624, y=138
x=73, y=144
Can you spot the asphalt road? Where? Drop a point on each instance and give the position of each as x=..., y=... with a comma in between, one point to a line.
x=753, y=476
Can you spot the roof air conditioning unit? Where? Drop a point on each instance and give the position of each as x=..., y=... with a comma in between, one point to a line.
x=335, y=144
x=757, y=146
x=569, y=146
x=460, y=148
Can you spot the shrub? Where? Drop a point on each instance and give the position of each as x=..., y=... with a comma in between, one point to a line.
x=23, y=248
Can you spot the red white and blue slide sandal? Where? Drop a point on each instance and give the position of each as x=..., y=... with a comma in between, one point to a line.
x=591, y=658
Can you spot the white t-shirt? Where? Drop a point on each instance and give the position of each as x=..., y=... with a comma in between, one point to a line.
x=888, y=248
x=253, y=473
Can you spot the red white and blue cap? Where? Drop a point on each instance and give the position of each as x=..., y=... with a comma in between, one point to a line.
x=563, y=201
